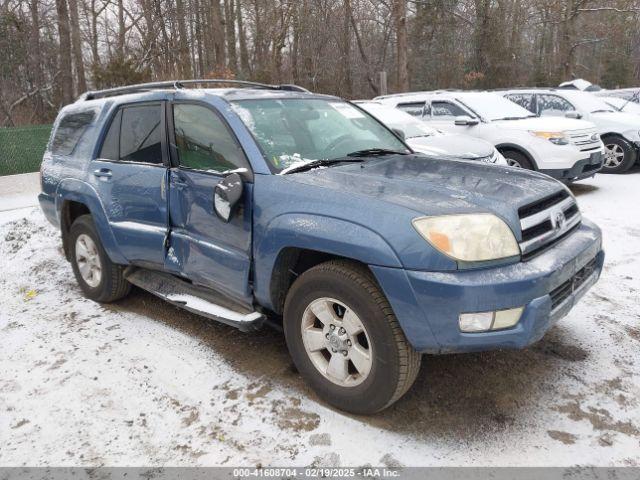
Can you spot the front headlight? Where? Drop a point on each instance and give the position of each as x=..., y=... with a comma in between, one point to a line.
x=469, y=237
x=558, y=138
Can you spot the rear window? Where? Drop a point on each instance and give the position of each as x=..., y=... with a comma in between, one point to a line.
x=69, y=132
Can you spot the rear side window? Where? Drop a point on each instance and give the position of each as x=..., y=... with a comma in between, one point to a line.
x=135, y=135
x=69, y=132
x=525, y=100
x=413, y=108
x=446, y=109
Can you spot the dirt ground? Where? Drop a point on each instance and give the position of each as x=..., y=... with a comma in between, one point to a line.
x=143, y=383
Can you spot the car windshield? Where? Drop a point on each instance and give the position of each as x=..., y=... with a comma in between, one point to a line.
x=623, y=105
x=295, y=131
x=588, y=102
x=395, y=118
x=492, y=106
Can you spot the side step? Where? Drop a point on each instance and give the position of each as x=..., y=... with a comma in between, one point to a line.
x=196, y=299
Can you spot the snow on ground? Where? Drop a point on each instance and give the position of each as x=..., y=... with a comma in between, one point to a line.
x=143, y=383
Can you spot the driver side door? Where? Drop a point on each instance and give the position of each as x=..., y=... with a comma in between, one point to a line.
x=202, y=247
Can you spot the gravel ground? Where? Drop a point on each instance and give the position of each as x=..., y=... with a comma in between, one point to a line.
x=142, y=383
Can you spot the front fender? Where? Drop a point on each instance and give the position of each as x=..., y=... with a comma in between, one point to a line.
x=78, y=191
x=319, y=233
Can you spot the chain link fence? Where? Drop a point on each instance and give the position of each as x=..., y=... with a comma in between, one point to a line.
x=21, y=148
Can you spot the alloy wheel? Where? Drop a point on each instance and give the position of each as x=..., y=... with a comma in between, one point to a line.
x=337, y=342
x=88, y=260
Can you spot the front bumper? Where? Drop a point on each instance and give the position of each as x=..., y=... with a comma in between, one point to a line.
x=584, y=168
x=428, y=304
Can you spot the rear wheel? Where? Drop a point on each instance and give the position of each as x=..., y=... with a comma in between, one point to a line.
x=99, y=278
x=517, y=159
x=619, y=155
x=345, y=340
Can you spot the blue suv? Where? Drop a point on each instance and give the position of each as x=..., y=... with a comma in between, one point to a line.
x=256, y=203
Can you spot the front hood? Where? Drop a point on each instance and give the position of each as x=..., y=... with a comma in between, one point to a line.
x=452, y=146
x=548, y=124
x=432, y=187
x=621, y=120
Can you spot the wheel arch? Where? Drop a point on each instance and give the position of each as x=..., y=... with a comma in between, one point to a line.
x=512, y=147
x=293, y=243
x=75, y=198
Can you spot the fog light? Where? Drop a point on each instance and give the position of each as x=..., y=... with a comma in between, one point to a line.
x=485, y=321
x=475, y=322
x=506, y=318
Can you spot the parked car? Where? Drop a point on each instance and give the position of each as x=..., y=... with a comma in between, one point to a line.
x=632, y=94
x=620, y=131
x=565, y=149
x=622, y=105
x=424, y=139
x=256, y=203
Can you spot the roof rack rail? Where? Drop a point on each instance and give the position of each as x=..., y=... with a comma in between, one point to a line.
x=180, y=84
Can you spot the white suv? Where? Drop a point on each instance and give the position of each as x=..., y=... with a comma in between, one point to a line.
x=563, y=148
x=620, y=131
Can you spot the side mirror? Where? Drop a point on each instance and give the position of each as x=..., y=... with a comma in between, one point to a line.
x=465, y=121
x=226, y=195
x=399, y=133
x=575, y=115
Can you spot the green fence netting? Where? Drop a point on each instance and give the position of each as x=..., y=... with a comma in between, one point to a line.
x=21, y=148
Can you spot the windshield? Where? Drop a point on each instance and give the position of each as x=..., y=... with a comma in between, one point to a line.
x=588, y=102
x=395, y=118
x=492, y=106
x=295, y=131
x=622, y=104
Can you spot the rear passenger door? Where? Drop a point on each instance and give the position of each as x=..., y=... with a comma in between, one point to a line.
x=130, y=176
x=203, y=248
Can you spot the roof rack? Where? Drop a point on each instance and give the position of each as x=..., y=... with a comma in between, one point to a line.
x=180, y=84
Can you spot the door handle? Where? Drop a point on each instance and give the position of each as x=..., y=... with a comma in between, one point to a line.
x=102, y=173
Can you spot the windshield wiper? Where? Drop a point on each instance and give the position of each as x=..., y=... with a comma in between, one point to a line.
x=322, y=162
x=515, y=118
x=375, y=152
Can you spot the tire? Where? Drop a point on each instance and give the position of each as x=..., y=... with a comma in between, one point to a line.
x=619, y=155
x=87, y=252
x=394, y=364
x=517, y=159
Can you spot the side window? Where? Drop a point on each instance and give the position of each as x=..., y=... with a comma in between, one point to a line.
x=140, y=134
x=446, y=110
x=111, y=145
x=525, y=100
x=413, y=108
x=135, y=135
x=553, y=105
x=69, y=132
x=203, y=140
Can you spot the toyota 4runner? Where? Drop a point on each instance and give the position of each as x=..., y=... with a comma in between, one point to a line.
x=269, y=203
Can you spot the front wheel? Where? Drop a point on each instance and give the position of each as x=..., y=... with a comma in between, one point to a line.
x=619, y=155
x=517, y=159
x=345, y=340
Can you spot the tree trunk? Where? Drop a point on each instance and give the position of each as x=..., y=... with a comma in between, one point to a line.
x=230, y=24
x=217, y=27
x=66, y=78
x=346, y=90
x=244, y=53
x=76, y=43
x=183, y=42
x=36, y=64
x=399, y=14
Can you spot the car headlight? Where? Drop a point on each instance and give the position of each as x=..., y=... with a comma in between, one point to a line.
x=469, y=237
x=558, y=138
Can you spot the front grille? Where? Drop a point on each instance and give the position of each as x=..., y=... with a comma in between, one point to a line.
x=585, y=140
x=546, y=222
x=561, y=293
